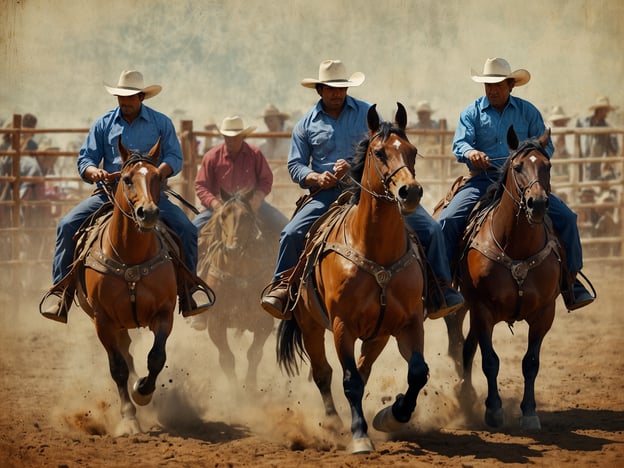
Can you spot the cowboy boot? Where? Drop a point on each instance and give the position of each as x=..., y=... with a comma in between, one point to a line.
x=275, y=297
x=450, y=302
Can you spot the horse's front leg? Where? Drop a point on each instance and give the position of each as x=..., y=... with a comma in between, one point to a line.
x=530, y=368
x=144, y=387
x=490, y=365
x=217, y=331
x=119, y=372
x=254, y=356
x=353, y=385
x=411, y=342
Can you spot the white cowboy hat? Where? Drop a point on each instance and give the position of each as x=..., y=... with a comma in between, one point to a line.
x=602, y=102
x=271, y=111
x=333, y=73
x=496, y=70
x=131, y=83
x=424, y=106
x=557, y=113
x=233, y=126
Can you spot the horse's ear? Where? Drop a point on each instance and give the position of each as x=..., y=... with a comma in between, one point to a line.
x=373, y=119
x=512, y=139
x=545, y=138
x=154, y=153
x=401, y=116
x=123, y=151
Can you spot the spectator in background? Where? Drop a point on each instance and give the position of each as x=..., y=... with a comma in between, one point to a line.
x=275, y=121
x=425, y=122
x=558, y=119
x=598, y=146
x=233, y=166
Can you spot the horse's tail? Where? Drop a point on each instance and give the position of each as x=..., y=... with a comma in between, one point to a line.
x=289, y=347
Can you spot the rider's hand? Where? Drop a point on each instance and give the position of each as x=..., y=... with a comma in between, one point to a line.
x=96, y=174
x=478, y=159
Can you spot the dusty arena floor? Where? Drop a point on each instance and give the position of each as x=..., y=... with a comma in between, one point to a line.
x=59, y=406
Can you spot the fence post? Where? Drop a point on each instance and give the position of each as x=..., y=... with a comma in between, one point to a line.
x=189, y=154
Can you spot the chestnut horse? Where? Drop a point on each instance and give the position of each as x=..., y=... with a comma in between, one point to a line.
x=366, y=283
x=235, y=257
x=509, y=272
x=129, y=280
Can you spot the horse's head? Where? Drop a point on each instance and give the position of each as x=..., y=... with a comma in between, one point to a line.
x=528, y=174
x=237, y=220
x=387, y=160
x=139, y=187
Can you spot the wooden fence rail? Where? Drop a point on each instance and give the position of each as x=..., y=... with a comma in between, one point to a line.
x=27, y=227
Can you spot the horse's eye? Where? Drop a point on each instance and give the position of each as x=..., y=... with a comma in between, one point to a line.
x=127, y=180
x=517, y=167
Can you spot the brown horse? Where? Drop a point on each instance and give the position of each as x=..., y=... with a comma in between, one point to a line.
x=365, y=283
x=235, y=258
x=129, y=280
x=509, y=272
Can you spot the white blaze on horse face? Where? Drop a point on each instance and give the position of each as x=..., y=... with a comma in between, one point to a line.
x=397, y=144
x=533, y=159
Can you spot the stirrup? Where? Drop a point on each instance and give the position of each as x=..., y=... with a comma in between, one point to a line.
x=189, y=307
x=56, y=311
x=276, y=304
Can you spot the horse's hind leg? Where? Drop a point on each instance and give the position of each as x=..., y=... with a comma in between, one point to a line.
x=144, y=387
x=454, y=326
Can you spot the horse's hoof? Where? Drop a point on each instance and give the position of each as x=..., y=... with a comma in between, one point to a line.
x=138, y=397
x=494, y=418
x=127, y=427
x=530, y=423
x=362, y=445
x=386, y=422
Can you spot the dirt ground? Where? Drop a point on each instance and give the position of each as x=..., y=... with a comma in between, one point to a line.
x=59, y=406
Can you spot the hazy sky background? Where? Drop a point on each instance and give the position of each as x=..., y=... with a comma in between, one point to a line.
x=217, y=58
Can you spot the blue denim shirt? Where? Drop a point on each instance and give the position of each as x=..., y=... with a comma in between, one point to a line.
x=141, y=135
x=483, y=128
x=318, y=140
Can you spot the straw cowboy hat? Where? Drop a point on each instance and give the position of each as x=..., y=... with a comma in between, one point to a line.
x=424, y=106
x=557, y=114
x=271, y=111
x=333, y=73
x=497, y=69
x=602, y=103
x=233, y=126
x=131, y=83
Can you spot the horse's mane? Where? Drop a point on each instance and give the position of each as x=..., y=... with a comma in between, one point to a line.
x=496, y=189
x=359, y=157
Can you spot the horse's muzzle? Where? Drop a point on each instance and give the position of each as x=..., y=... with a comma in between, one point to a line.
x=409, y=197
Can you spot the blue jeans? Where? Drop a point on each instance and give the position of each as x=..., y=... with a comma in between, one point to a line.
x=170, y=213
x=453, y=221
x=430, y=235
x=292, y=238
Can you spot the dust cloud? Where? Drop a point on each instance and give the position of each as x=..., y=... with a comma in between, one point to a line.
x=216, y=58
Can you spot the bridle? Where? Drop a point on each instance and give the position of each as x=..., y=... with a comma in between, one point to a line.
x=385, y=179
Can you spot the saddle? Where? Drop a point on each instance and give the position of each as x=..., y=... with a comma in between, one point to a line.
x=88, y=255
x=317, y=246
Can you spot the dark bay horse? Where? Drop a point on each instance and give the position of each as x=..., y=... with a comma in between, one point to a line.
x=365, y=283
x=235, y=258
x=129, y=280
x=509, y=272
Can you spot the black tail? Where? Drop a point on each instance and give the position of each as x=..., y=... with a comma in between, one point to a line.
x=289, y=348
